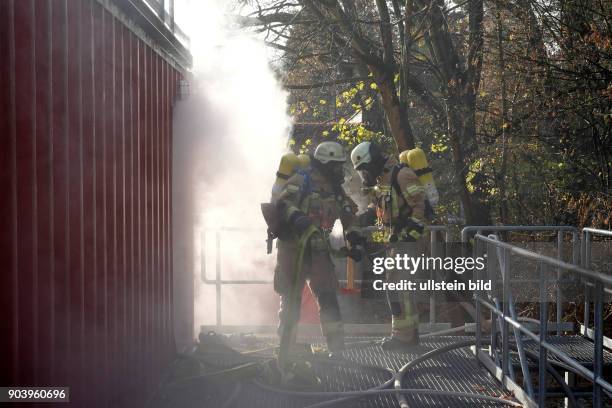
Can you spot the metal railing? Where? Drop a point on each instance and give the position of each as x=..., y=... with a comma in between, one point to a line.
x=433, y=242
x=219, y=282
x=560, y=230
x=504, y=318
x=586, y=258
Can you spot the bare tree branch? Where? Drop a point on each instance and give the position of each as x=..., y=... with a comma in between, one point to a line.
x=327, y=83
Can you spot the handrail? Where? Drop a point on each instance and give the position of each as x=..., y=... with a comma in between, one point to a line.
x=560, y=230
x=515, y=228
x=597, y=231
x=600, y=280
x=219, y=282
x=550, y=347
x=597, y=333
x=546, y=259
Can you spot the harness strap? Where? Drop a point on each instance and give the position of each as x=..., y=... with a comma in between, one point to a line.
x=422, y=171
x=295, y=299
x=395, y=184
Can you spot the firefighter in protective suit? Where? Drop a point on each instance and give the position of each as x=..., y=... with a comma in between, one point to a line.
x=312, y=200
x=398, y=203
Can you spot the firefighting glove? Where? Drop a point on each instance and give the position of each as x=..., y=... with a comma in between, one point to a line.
x=353, y=253
x=354, y=238
x=413, y=230
x=300, y=222
x=367, y=218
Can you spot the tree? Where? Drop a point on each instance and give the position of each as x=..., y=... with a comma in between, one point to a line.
x=510, y=97
x=417, y=52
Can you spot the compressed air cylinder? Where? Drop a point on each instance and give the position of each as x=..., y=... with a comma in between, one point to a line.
x=303, y=161
x=289, y=164
x=417, y=161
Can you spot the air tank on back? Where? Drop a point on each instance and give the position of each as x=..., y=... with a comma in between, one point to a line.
x=289, y=164
x=417, y=161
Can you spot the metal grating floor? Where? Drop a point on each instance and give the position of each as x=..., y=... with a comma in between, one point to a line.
x=452, y=371
x=576, y=346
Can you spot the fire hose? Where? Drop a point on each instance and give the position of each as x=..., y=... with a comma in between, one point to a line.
x=400, y=392
x=250, y=369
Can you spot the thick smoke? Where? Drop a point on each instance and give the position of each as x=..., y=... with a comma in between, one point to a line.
x=238, y=128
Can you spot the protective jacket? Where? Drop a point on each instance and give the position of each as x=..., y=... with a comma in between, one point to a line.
x=396, y=208
x=401, y=209
x=311, y=194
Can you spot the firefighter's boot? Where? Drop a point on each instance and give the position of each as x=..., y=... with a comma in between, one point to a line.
x=403, y=341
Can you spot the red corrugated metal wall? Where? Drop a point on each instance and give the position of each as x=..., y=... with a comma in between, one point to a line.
x=85, y=176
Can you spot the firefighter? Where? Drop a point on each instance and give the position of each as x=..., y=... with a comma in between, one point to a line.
x=398, y=203
x=311, y=201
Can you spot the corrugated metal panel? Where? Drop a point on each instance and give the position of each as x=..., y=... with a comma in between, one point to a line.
x=7, y=210
x=85, y=169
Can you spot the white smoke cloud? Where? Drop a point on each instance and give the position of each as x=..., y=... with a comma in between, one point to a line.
x=236, y=117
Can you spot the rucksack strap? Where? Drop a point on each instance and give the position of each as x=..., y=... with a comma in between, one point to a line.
x=429, y=211
x=306, y=186
x=420, y=172
x=395, y=183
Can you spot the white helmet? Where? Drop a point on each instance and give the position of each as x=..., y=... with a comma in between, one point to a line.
x=361, y=155
x=330, y=151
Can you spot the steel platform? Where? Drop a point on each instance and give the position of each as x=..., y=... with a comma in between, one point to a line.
x=366, y=366
x=577, y=347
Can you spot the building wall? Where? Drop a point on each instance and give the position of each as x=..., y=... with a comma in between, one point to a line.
x=85, y=174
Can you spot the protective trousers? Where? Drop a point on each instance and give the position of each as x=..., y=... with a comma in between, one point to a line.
x=402, y=304
x=318, y=270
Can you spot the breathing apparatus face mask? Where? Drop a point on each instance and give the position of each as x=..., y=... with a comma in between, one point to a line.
x=366, y=178
x=369, y=172
x=333, y=171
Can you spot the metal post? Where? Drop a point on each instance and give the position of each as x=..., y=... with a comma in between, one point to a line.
x=203, y=256
x=543, y=333
x=582, y=250
x=559, y=301
x=586, y=263
x=494, y=330
x=478, y=345
x=432, y=275
x=162, y=10
x=478, y=328
x=570, y=377
x=506, y=313
x=598, y=339
x=495, y=323
x=520, y=350
x=171, y=12
x=575, y=248
x=218, y=276
x=515, y=331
